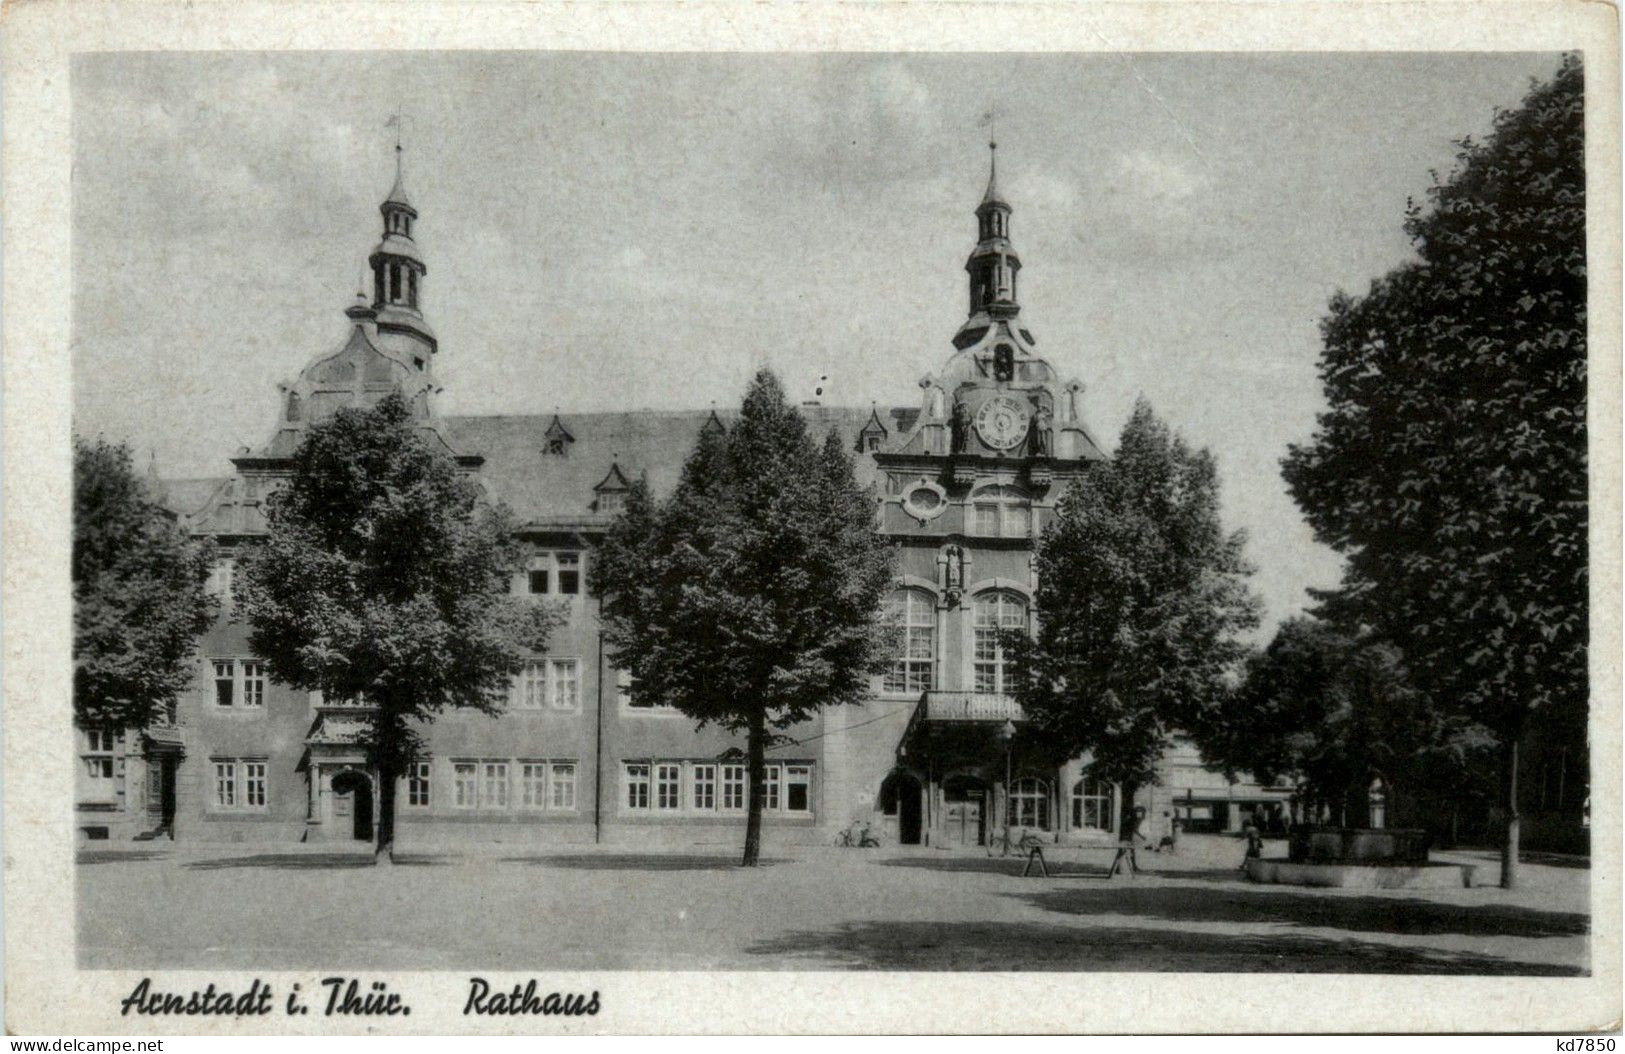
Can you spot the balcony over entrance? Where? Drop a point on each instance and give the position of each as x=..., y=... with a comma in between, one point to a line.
x=973, y=707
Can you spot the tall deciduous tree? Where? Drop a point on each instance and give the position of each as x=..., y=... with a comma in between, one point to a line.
x=1450, y=467
x=751, y=597
x=384, y=579
x=1339, y=712
x=1141, y=596
x=139, y=603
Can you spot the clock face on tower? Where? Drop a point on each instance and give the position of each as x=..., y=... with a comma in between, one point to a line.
x=1001, y=422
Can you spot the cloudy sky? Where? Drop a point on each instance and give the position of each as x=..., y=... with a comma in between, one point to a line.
x=621, y=231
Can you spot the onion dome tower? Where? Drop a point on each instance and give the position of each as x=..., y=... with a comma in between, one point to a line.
x=397, y=276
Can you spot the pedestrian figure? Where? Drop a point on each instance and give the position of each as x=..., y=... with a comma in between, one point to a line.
x=1170, y=841
x=1255, y=841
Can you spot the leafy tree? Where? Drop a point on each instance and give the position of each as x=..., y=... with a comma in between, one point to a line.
x=750, y=598
x=1141, y=595
x=1338, y=712
x=139, y=605
x=1450, y=466
x=384, y=579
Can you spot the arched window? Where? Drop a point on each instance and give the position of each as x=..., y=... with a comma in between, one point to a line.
x=996, y=612
x=913, y=616
x=1029, y=803
x=1001, y=512
x=1092, y=805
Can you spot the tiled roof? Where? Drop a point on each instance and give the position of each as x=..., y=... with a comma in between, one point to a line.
x=647, y=444
x=559, y=490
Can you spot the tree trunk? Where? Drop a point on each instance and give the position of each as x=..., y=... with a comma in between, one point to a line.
x=1125, y=818
x=386, y=813
x=757, y=765
x=1509, y=784
x=385, y=767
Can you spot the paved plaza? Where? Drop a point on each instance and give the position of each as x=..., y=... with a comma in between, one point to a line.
x=810, y=908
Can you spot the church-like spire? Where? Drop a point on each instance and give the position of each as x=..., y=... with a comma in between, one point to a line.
x=993, y=264
x=993, y=197
x=398, y=269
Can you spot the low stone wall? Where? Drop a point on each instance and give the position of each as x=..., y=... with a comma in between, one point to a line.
x=1356, y=845
x=1362, y=876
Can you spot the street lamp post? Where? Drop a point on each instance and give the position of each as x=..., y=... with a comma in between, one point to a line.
x=1007, y=735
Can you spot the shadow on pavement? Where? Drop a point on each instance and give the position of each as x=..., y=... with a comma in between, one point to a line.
x=287, y=862
x=995, y=865
x=1033, y=946
x=113, y=856
x=1365, y=914
x=638, y=862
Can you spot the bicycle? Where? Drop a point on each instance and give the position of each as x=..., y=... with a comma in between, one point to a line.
x=851, y=838
x=1012, y=840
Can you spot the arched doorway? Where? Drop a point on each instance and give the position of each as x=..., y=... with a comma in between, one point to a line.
x=964, y=811
x=900, y=804
x=352, y=799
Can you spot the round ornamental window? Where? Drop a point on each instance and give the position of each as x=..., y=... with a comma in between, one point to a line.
x=924, y=500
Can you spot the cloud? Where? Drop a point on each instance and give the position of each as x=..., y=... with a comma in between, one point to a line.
x=1160, y=179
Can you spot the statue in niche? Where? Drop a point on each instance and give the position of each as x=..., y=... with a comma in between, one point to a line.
x=960, y=427
x=1039, y=437
x=953, y=572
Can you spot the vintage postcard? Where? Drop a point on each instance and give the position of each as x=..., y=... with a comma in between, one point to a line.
x=894, y=518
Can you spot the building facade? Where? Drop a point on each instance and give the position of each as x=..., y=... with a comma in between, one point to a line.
x=965, y=480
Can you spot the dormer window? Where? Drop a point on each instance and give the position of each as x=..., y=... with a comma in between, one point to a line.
x=557, y=439
x=611, y=490
x=873, y=434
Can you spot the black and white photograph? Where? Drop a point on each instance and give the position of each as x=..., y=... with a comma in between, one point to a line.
x=925, y=512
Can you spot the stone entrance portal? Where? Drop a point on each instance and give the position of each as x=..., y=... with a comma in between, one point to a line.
x=352, y=806
x=964, y=811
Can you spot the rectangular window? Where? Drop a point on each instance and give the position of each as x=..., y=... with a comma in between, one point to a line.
x=254, y=684
x=564, y=685
x=465, y=785
x=225, y=784
x=254, y=784
x=797, y=788
x=98, y=783
x=987, y=519
x=494, y=785
x=563, y=785
x=705, y=787
x=533, y=784
x=555, y=573
x=569, y=565
x=1017, y=521
x=733, y=787
x=530, y=687
x=669, y=786
x=218, y=583
x=637, y=786
x=770, y=802
x=225, y=682
x=417, y=785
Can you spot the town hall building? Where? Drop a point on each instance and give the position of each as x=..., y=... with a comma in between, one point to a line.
x=965, y=478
